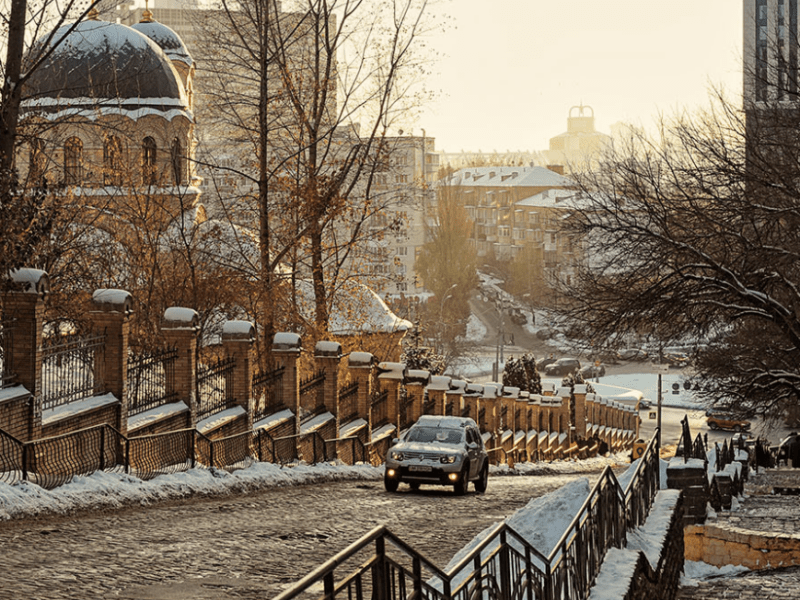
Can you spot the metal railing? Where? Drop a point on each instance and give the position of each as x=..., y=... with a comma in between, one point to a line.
x=311, y=392
x=6, y=377
x=151, y=376
x=215, y=387
x=267, y=393
x=688, y=448
x=380, y=566
x=72, y=368
x=348, y=402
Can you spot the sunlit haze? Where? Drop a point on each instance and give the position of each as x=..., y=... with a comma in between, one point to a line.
x=513, y=68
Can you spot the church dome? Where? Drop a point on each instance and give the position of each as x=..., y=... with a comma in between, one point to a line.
x=107, y=64
x=169, y=41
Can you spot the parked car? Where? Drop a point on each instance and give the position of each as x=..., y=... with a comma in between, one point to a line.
x=440, y=451
x=645, y=403
x=717, y=420
x=676, y=360
x=517, y=316
x=632, y=354
x=592, y=371
x=543, y=362
x=563, y=366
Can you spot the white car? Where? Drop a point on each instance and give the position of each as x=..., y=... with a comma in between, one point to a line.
x=440, y=451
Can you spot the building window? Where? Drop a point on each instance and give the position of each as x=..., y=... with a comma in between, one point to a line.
x=36, y=163
x=149, y=169
x=73, y=161
x=402, y=250
x=176, y=155
x=112, y=161
x=402, y=286
x=401, y=178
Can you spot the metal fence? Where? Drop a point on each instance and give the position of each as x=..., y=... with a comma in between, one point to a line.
x=215, y=387
x=6, y=377
x=381, y=566
x=151, y=377
x=348, y=402
x=312, y=399
x=380, y=409
x=267, y=393
x=72, y=368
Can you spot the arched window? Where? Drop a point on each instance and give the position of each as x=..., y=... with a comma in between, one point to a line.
x=149, y=169
x=36, y=163
x=112, y=161
x=177, y=161
x=73, y=161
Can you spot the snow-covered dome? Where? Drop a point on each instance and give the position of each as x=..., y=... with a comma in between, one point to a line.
x=169, y=41
x=104, y=63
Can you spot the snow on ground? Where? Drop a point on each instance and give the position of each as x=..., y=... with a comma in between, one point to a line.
x=476, y=330
x=694, y=572
x=112, y=490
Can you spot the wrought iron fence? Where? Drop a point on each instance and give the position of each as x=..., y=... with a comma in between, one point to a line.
x=267, y=393
x=348, y=402
x=151, y=376
x=72, y=368
x=380, y=408
x=350, y=450
x=12, y=458
x=6, y=377
x=725, y=455
x=309, y=447
x=380, y=566
x=215, y=387
x=428, y=405
x=688, y=448
x=311, y=392
x=161, y=453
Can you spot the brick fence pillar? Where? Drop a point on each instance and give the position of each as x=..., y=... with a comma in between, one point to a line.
x=286, y=349
x=23, y=323
x=179, y=327
x=360, y=365
x=437, y=388
x=327, y=356
x=111, y=317
x=416, y=381
x=237, y=340
x=580, y=411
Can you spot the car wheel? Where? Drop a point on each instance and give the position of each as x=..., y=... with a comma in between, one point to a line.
x=483, y=479
x=414, y=485
x=713, y=426
x=390, y=484
x=737, y=427
x=460, y=486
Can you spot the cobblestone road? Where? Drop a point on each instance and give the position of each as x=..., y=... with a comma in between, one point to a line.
x=240, y=547
x=774, y=584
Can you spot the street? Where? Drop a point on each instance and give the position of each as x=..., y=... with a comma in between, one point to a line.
x=245, y=546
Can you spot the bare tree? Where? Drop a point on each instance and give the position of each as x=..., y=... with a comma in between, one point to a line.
x=313, y=93
x=693, y=235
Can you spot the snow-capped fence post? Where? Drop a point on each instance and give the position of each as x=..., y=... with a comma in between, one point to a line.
x=579, y=393
x=415, y=382
x=23, y=323
x=327, y=356
x=454, y=399
x=111, y=316
x=286, y=349
x=360, y=365
x=179, y=327
x=437, y=389
x=237, y=340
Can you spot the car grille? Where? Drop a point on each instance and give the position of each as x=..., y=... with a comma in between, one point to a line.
x=421, y=456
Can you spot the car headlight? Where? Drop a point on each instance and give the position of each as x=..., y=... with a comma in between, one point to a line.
x=395, y=455
x=448, y=459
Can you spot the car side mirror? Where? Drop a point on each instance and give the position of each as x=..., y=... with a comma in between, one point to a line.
x=395, y=441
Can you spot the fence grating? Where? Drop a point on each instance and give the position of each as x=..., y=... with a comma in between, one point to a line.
x=215, y=387
x=267, y=393
x=151, y=376
x=72, y=368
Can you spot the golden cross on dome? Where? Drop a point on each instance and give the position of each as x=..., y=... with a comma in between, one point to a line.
x=147, y=15
x=93, y=13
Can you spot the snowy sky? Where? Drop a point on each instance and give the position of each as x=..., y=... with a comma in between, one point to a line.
x=515, y=67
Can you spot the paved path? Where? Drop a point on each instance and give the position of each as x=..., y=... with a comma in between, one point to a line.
x=240, y=547
x=760, y=511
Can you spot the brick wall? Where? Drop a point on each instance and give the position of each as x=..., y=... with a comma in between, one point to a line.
x=14, y=417
x=172, y=423
x=107, y=414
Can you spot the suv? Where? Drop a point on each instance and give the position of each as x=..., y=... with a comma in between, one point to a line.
x=563, y=366
x=724, y=421
x=441, y=451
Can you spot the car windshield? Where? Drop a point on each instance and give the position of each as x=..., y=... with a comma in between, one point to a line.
x=435, y=434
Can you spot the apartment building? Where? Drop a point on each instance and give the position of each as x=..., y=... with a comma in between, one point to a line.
x=770, y=52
